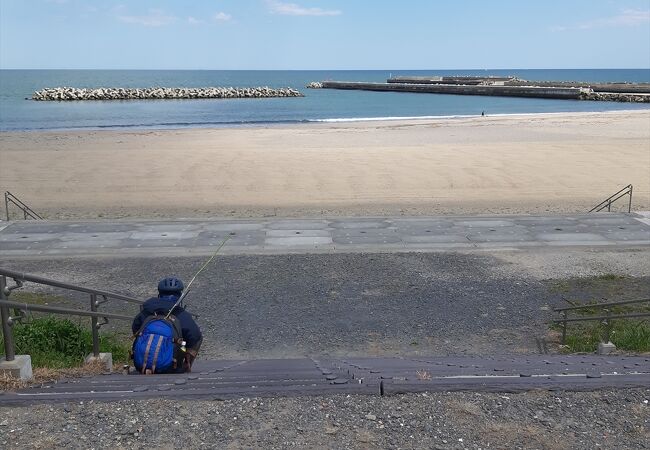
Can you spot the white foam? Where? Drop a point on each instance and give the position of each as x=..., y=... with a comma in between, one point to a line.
x=367, y=119
x=470, y=116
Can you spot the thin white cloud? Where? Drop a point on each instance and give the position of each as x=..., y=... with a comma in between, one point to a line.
x=194, y=21
x=292, y=9
x=222, y=17
x=627, y=18
x=155, y=18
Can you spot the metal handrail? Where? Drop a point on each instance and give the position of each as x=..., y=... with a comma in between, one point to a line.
x=19, y=278
x=53, y=309
x=600, y=305
x=27, y=211
x=606, y=319
x=49, y=282
x=607, y=203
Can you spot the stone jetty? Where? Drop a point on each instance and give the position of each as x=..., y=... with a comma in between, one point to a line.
x=159, y=93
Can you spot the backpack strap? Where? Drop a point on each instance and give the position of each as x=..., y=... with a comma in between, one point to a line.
x=146, y=353
x=176, y=325
x=145, y=322
x=155, y=354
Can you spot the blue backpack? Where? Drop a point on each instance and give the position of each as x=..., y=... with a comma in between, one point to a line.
x=157, y=345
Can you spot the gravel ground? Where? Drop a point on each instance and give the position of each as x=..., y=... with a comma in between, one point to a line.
x=337, y=304
x=364, y=304
x=460, y=420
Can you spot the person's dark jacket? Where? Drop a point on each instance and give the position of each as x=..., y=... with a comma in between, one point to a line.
x=161, y=305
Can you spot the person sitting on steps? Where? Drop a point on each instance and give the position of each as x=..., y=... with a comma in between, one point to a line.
x=163, y=342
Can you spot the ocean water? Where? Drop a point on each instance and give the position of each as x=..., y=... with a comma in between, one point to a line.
x=18, y=113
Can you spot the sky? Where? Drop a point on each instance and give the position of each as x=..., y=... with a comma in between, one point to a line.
x=324, y=34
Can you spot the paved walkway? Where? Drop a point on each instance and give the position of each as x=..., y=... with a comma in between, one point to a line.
x=372, y=376
x=383, y=234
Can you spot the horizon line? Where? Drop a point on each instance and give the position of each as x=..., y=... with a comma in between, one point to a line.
x=320, y=70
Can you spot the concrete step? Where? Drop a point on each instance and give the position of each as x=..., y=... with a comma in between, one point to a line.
x=367, y=376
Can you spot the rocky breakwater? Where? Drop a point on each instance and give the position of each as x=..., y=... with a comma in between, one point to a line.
x=157, y=93
x=589, y=94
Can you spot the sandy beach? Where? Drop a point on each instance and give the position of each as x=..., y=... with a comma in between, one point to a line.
x=485, y=165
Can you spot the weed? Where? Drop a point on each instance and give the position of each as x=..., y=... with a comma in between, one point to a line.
x=630, y=335
x=423, y=375
x=46, y=375
x=59, y=343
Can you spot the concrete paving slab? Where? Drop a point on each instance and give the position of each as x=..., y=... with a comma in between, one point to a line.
x=366, y=238
x=359, y=224
x=627, y=235
x=154, y=243
x=300, y=224
x=305, y=241
x=294, y=233
x=545, y=220
x=642, y=216
x=27, y=237
x=422, y=229
x=484, y=223
x=499, y=237
x=570, y=237
x=212, y=239
x=170, y=228
x=435, y=238
x=85, y=243
x=236, y=227
x=94, y=236
x=603, y=220
x=163, y=235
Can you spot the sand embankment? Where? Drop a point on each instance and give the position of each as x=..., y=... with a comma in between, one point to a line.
x=509, y=164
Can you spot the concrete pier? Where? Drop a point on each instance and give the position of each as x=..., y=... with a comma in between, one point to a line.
x=494, y=90
x=619, y=88
x=497, y=88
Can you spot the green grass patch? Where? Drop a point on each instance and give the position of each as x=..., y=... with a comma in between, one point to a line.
x=626, y=334
x=60, y=343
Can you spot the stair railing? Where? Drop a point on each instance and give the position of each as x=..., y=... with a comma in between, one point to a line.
x=607, y=203
x=27, y=211
x=20, y=278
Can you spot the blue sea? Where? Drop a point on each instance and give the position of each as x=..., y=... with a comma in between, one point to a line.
x=18, y=113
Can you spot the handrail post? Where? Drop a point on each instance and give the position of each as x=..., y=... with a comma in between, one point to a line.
x=629, y=205
x=7, y=332
x=95, y=328
x=7, y=204
x=608, y=325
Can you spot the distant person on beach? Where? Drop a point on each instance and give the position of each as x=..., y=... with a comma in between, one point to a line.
x=165, y=344
x=482, y=113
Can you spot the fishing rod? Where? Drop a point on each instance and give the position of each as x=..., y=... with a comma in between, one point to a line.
x=187, y=289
